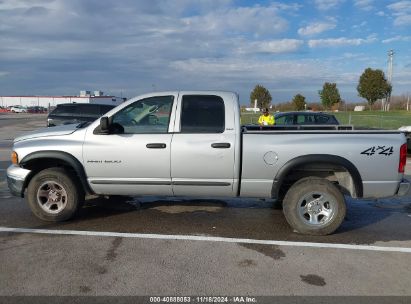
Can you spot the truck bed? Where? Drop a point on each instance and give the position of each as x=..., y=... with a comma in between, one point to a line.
x=266, y=151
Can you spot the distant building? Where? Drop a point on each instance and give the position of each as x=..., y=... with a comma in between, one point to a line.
x=52, y=101
x=359, y=108
x=252, y=109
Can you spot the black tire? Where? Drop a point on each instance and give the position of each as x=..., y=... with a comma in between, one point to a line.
x=314, y=206
x=54, y=187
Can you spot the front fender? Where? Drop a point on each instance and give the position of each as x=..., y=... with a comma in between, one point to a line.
x=50, y=156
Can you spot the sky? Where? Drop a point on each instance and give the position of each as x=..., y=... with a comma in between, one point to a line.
x=130, y=47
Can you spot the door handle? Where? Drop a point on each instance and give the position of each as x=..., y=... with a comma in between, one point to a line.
x=156, y=146
x=221, y=145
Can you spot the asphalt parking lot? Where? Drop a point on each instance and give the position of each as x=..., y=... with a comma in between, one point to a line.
x=179, y=246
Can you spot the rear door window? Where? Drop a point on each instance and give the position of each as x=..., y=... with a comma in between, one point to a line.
x=104, y=109
x=287, y=119
x=202, y=114
x=280, y=120
x=323, y=119
x=89, y=110
x=305, y=119
x=66, y=110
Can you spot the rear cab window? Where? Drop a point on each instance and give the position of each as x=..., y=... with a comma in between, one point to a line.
x=202, y=114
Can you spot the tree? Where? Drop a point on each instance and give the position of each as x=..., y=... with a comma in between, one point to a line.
x=329, y=95
x=299, y=102
x=373, y=86
x=262, y=95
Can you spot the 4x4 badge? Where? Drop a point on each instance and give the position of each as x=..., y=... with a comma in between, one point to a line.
x=382, y=150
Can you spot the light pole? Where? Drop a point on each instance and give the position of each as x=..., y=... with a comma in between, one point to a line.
x=389, y=78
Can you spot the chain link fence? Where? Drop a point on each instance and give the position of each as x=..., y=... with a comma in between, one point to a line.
x=383, y=121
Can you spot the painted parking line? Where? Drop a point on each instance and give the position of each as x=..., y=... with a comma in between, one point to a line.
x=206, y=239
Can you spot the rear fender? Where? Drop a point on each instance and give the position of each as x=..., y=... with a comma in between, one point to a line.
x=317, y=159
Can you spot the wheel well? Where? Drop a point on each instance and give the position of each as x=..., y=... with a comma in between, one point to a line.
x=337, y=174
x=39, y=164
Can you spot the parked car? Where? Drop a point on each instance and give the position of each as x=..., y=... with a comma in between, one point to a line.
x=37, y=109
x=192, y=144
x=305, y=118
x=70, y=113
x=407, y=132
x=18, y=109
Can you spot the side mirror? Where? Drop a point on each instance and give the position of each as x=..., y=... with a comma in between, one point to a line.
x=104, y=125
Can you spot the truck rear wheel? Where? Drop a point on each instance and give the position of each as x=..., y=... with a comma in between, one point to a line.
x=314, y=206
x=53, y=195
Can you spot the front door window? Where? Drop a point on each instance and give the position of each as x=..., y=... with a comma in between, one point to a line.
x=149, y=115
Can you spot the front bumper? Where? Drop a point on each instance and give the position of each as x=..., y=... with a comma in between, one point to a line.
x=16, y=177
x=403, y=187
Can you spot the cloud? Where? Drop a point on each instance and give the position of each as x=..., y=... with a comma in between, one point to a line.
x=366, y=5
x=397, y=38
x=316, y=28
x=126, y=46
x=306, y=70
x=81, y=29
x=351, y=55
x=401, y=10
x=403, y=20
x=400, y=6
x=272, y=46
x=354, y=56
x=278, y=76
x=289, y=6
x=337, y=42
x=362, y=24
x=327, y=4
x=15, y=4
x=61, y=46
x=402, y=77
x=255, y=20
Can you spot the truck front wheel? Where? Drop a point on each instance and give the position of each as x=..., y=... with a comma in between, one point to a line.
x=53, y=195
x=314, y=206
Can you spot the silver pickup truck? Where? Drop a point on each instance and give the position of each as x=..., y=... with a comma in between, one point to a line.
x=192, y=144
